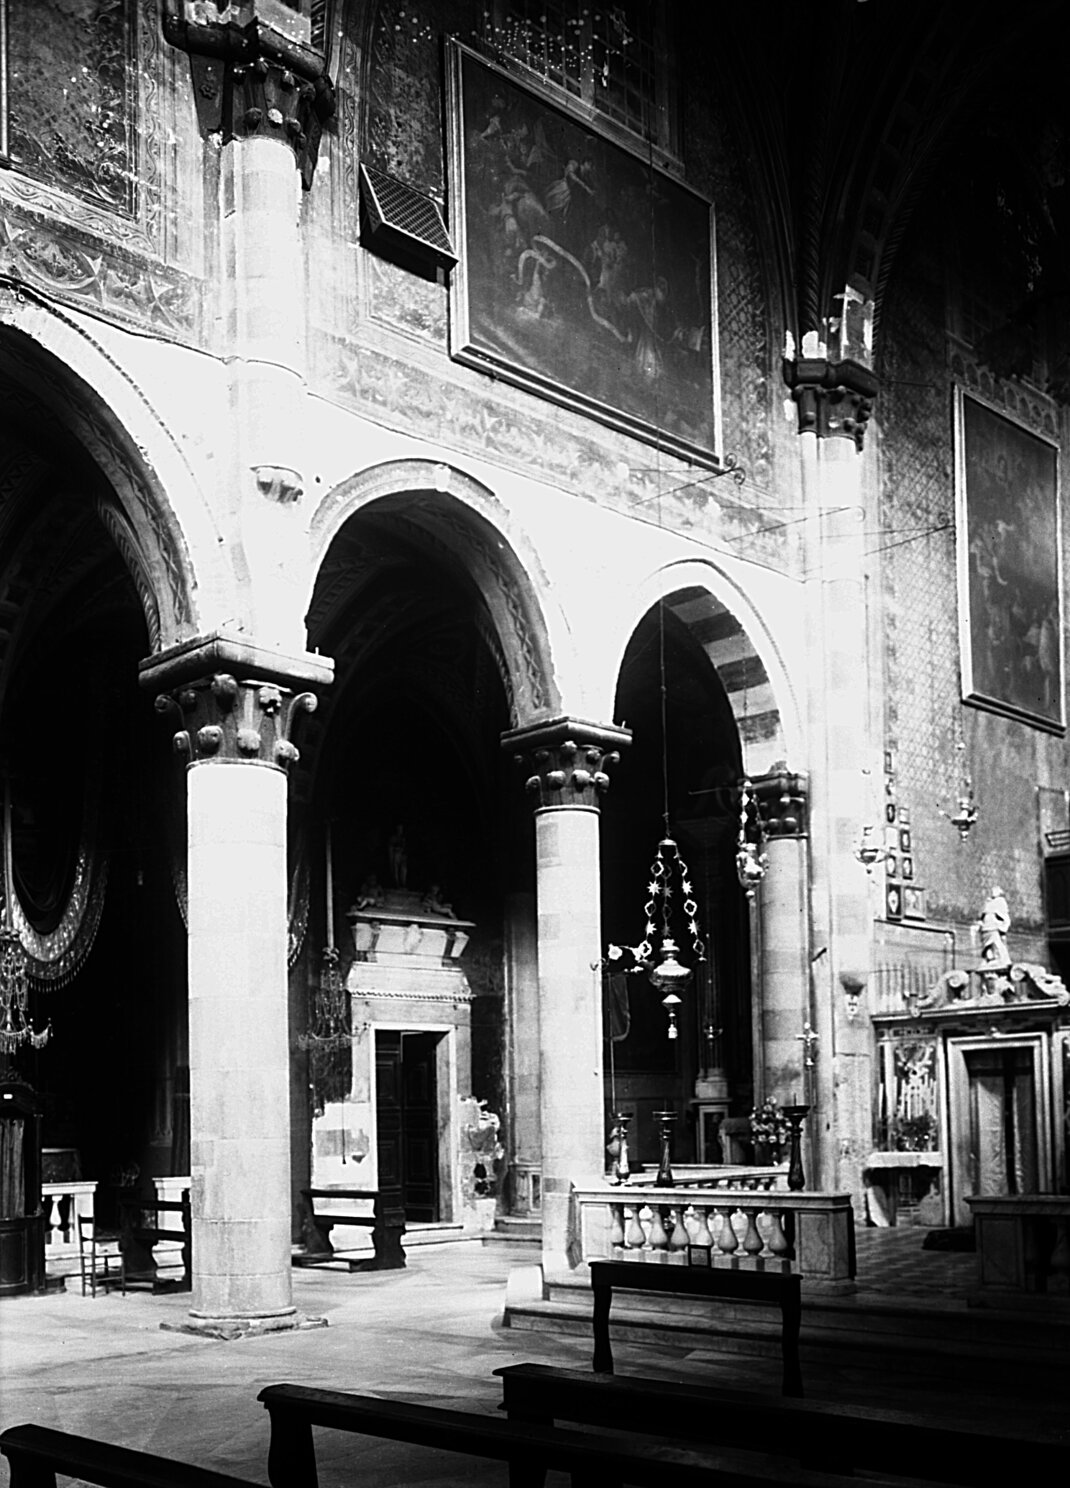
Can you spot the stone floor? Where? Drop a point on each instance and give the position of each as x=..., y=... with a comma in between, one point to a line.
x=105, y=1368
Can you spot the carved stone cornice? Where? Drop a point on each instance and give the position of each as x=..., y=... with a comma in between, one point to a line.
x=834, y=399
x=783, y=803
x=566, y=759
x=223, y=719
x=255, y=72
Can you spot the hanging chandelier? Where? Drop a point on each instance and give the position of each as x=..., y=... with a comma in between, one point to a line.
x=15, y=1026
x=751, y=861
x=328, y=1013
x=658, y=952
x=965, y=814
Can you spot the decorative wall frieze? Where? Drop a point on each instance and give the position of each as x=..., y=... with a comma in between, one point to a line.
x=255, y=72
x=834, y=399
x=783, y=801
x=247, y=722
x=566, y=760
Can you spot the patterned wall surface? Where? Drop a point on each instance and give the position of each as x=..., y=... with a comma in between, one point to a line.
x=930, y=735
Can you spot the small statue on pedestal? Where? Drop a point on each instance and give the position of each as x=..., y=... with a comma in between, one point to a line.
x=994, y=923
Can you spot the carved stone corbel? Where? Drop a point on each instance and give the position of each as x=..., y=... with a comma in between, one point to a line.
x=834, y=399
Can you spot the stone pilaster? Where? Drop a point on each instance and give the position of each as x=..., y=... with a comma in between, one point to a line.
x=232, y=727
x=261, y=90
x=835, y=401
x=566, y=763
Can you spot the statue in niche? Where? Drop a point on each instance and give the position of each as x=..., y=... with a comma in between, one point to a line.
x=433, y=902
x=398, y=857
x=371, y=894
x=994, y=923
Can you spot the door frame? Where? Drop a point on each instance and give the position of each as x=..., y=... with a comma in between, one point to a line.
x=957, y=1137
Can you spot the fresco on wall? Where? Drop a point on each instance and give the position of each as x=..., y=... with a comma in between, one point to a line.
x=585, y=273
x=1009, y=566
x=70, y=85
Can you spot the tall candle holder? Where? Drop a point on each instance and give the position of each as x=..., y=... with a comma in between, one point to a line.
x=795, y=1115
x=666, y=1120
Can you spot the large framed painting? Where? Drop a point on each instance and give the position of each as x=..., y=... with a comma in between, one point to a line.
x=586, y=273
x=1009, y=566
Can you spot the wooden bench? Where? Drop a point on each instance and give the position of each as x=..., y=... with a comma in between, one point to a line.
x=136, y=1239
x=818, y=1434
x=386, y=1222
x=37, y=1453
x=530, y=1451
x=778, y=1288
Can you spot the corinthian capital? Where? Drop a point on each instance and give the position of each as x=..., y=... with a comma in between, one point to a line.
x=566, y=760
x=221, y=718
x=232, y=700
x=783, y=802
x=833, y=398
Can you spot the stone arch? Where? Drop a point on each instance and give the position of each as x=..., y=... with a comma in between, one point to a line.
x=153, y=509
x=453, y=517
x=742, y=649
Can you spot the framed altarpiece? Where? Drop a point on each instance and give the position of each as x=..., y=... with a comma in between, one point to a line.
x=1009, y=533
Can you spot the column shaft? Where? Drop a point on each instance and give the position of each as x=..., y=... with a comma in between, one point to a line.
x=239, y=1042
x=570, y=1016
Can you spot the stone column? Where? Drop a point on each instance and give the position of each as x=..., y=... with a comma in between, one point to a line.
x=565, y=762
x=835, y=400
x=785, y=932
x=233, y=719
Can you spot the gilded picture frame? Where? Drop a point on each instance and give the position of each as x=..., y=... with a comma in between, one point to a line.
x=586, y=273
x=1009, y=539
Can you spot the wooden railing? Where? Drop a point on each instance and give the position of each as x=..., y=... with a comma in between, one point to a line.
x=808, y=1234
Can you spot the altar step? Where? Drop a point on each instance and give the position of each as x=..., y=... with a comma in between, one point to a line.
x=865, y=1340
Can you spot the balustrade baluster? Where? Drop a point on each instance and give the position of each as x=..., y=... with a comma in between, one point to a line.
x=753, y=1243
x=680, y=1238
x=727, y=1240
x=616, y=1225
x=776, y=1240
x=702, y=1235
x=659, y=1238
x=634, y=1237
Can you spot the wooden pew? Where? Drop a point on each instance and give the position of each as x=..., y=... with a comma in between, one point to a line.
x=136, y=1239
x=37, y=1453
x=820, y=1434
x=386, y=1222
x=770, y=1287
x=530, y=1451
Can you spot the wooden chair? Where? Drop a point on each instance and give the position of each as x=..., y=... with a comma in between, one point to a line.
x=98, y=1266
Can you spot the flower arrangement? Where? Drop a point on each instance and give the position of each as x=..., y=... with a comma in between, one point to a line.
x=768, y=1126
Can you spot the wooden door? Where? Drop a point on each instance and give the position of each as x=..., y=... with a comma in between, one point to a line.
x=407, y=1116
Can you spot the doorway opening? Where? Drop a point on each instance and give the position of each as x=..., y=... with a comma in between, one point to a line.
x=406, y=1109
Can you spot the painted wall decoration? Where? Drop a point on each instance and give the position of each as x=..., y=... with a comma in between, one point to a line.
x=1009, y=560
x=586, y=274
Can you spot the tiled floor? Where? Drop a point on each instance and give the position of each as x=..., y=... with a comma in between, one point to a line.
x=105, y=1368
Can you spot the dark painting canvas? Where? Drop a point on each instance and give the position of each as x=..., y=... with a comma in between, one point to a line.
x=1009, y=566
x=585, y=272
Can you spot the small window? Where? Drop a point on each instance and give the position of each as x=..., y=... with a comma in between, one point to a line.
x=613, y=57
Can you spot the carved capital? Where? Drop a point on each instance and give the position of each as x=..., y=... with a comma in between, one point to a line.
x=220, y=718
x=783, y=803
x=255, y=71
x=834, y=399
x=565, y=761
